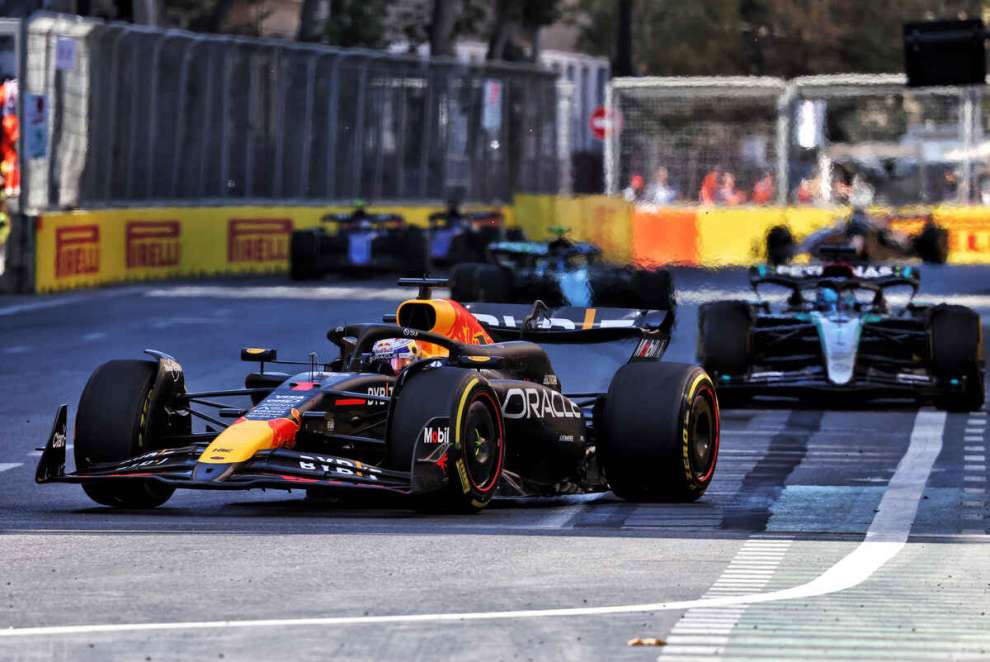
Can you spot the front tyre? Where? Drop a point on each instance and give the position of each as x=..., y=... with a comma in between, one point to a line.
x=304, y=254
x=117, y=420
x=660, y=427
x=476, y=450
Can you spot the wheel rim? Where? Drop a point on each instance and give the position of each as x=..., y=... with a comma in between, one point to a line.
x=482, y=444
x=703, y=430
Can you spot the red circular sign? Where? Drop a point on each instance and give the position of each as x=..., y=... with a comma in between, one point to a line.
x=603, y=122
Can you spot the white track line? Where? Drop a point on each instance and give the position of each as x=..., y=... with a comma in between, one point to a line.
x=18, y=308
x=886, y=536
x=6, y=466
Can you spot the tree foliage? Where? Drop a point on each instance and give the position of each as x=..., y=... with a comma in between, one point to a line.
x=762, y=37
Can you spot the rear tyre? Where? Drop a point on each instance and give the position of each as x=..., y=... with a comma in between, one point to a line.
x=655, y=288
x=780, y=245
x=932, y=245
x=304, y=249
x=477, y=439
x=117, y=420
x=415, y=249
x=956, y=338
x=724, y=337
x=480, y=282
x=660, y=424
x=463, y=281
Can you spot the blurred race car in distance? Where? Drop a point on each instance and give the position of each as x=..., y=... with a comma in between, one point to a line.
x=836, y=333
x=440, y=403
x=560, y=272
x=457, y=236
x=874, y=239
x=361, y=242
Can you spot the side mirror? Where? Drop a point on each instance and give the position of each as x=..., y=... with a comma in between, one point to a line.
x=258, y=354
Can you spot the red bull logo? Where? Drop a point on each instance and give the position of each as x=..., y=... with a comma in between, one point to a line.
x=152, y=244
x=258, y=240
x=77, y=251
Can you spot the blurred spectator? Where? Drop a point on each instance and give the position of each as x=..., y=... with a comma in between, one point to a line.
x=9, y=134
x=708, y=193
x=728, y=194
x=985, y=191
x=764, y=190
x=660, y=191
x=805, y=193
x=634, y=192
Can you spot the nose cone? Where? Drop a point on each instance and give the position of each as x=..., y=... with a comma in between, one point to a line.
x=240, y=442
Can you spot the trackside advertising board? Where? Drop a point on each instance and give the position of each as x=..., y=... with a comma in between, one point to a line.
x=94, y=247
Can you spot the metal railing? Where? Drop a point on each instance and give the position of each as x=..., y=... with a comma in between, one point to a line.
x=128, y=115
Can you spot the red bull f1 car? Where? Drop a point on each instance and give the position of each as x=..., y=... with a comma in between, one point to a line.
x=837, y=333
x=446, y=404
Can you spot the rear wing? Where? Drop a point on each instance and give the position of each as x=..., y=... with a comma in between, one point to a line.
x=869, y=276
x=491, y=216
x=387, y=220
x=568, y=324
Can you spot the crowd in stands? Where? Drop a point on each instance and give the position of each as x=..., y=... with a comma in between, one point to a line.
x=718, y=187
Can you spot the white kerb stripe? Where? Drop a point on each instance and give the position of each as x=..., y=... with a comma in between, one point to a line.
x=886, y=537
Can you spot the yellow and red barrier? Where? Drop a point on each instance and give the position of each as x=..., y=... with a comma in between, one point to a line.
x=94, y=247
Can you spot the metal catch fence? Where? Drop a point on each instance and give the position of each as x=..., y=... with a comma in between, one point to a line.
x=118, y=114
x=735, y=140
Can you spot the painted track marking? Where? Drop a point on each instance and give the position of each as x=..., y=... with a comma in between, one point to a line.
x=886, y=536
x=6, y=466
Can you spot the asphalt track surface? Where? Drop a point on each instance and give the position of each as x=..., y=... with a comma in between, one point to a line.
x=858, y=533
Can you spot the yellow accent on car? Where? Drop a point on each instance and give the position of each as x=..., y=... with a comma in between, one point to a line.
x=239, y=443
x=589, y=318
x=461, y=470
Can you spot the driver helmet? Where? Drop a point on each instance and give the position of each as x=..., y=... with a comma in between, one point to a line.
x=828, y=299
x=391, y=355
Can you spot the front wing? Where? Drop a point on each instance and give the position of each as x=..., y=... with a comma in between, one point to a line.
x=277, y=469
x=810, y=381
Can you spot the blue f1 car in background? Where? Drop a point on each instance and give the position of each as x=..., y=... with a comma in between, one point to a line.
x=561, y=273
x=361, y=243
x=457, y=236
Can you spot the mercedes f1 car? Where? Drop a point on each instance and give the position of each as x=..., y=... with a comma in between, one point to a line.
x=837, y=333
x=361, y=242
x=559, y=272
x=427, y=404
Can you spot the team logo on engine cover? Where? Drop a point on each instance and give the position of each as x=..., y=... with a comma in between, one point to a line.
x=538, y=403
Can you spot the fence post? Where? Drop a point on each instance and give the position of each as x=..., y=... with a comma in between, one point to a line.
x=565, y=97
x=966, y=119
x=225, y=143
x=111, y=117
x=357, y=158
x=785, y=106
x=333, y=102
x=307, y=146
x=611, y=140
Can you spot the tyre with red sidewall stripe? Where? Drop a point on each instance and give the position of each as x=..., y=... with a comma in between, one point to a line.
x=659, y=432
x=476, y=451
